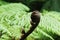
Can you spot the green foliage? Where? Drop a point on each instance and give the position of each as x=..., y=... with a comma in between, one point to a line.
x=48, y=28
x=3, y=3
x=52, y=5
x=15, y=16
x=10, y=16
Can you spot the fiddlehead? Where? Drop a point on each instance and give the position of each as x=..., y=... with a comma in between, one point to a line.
x=35, y=19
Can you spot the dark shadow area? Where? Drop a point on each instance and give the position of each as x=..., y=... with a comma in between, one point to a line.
x=13, y=1
x=52, y=5
x=36, y=5
x=57, y=37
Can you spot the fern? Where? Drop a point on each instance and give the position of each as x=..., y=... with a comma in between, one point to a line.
x=14, y=16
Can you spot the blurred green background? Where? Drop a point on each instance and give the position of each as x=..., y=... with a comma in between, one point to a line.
x=15, y=15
